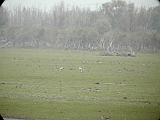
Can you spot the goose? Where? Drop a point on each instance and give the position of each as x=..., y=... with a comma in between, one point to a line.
x=61, y=68
x=89, y=89
x=104, y=118
x=81, y=69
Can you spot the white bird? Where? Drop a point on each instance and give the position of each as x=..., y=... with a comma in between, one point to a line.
x=96, y=90
x=81, y=69
x=61, y=68
x=89, y=89
x=104, y=118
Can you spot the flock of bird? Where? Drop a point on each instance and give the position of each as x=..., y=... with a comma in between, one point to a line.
x=61, y=68
x=81, y=69
x=89, y=89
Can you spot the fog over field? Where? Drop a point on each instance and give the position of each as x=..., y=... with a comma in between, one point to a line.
x=93, y=4
x=80, y=60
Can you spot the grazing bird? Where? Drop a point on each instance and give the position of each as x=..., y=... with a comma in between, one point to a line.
x=81, y=69
x=19, y=86
x=89, y=89
x=104, y=118
x=98, y=61
x=61, y=68
x=96, y=90
x=83, y=88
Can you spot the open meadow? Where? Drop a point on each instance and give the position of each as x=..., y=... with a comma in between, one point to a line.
x=53, y=84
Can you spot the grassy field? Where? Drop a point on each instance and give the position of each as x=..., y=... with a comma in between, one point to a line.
x=122, y=88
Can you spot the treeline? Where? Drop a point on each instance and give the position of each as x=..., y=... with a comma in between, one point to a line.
x=115, y=26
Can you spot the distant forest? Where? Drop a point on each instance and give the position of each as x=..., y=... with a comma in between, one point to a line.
x=115, y=26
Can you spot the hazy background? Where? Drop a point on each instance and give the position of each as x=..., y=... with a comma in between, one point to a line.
x=93, y=4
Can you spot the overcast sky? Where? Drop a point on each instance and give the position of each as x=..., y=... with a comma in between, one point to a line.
x=81, y=3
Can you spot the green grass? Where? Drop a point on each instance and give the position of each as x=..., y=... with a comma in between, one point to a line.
x=32, y=87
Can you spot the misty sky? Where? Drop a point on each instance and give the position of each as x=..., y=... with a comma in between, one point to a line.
x=93, y=4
